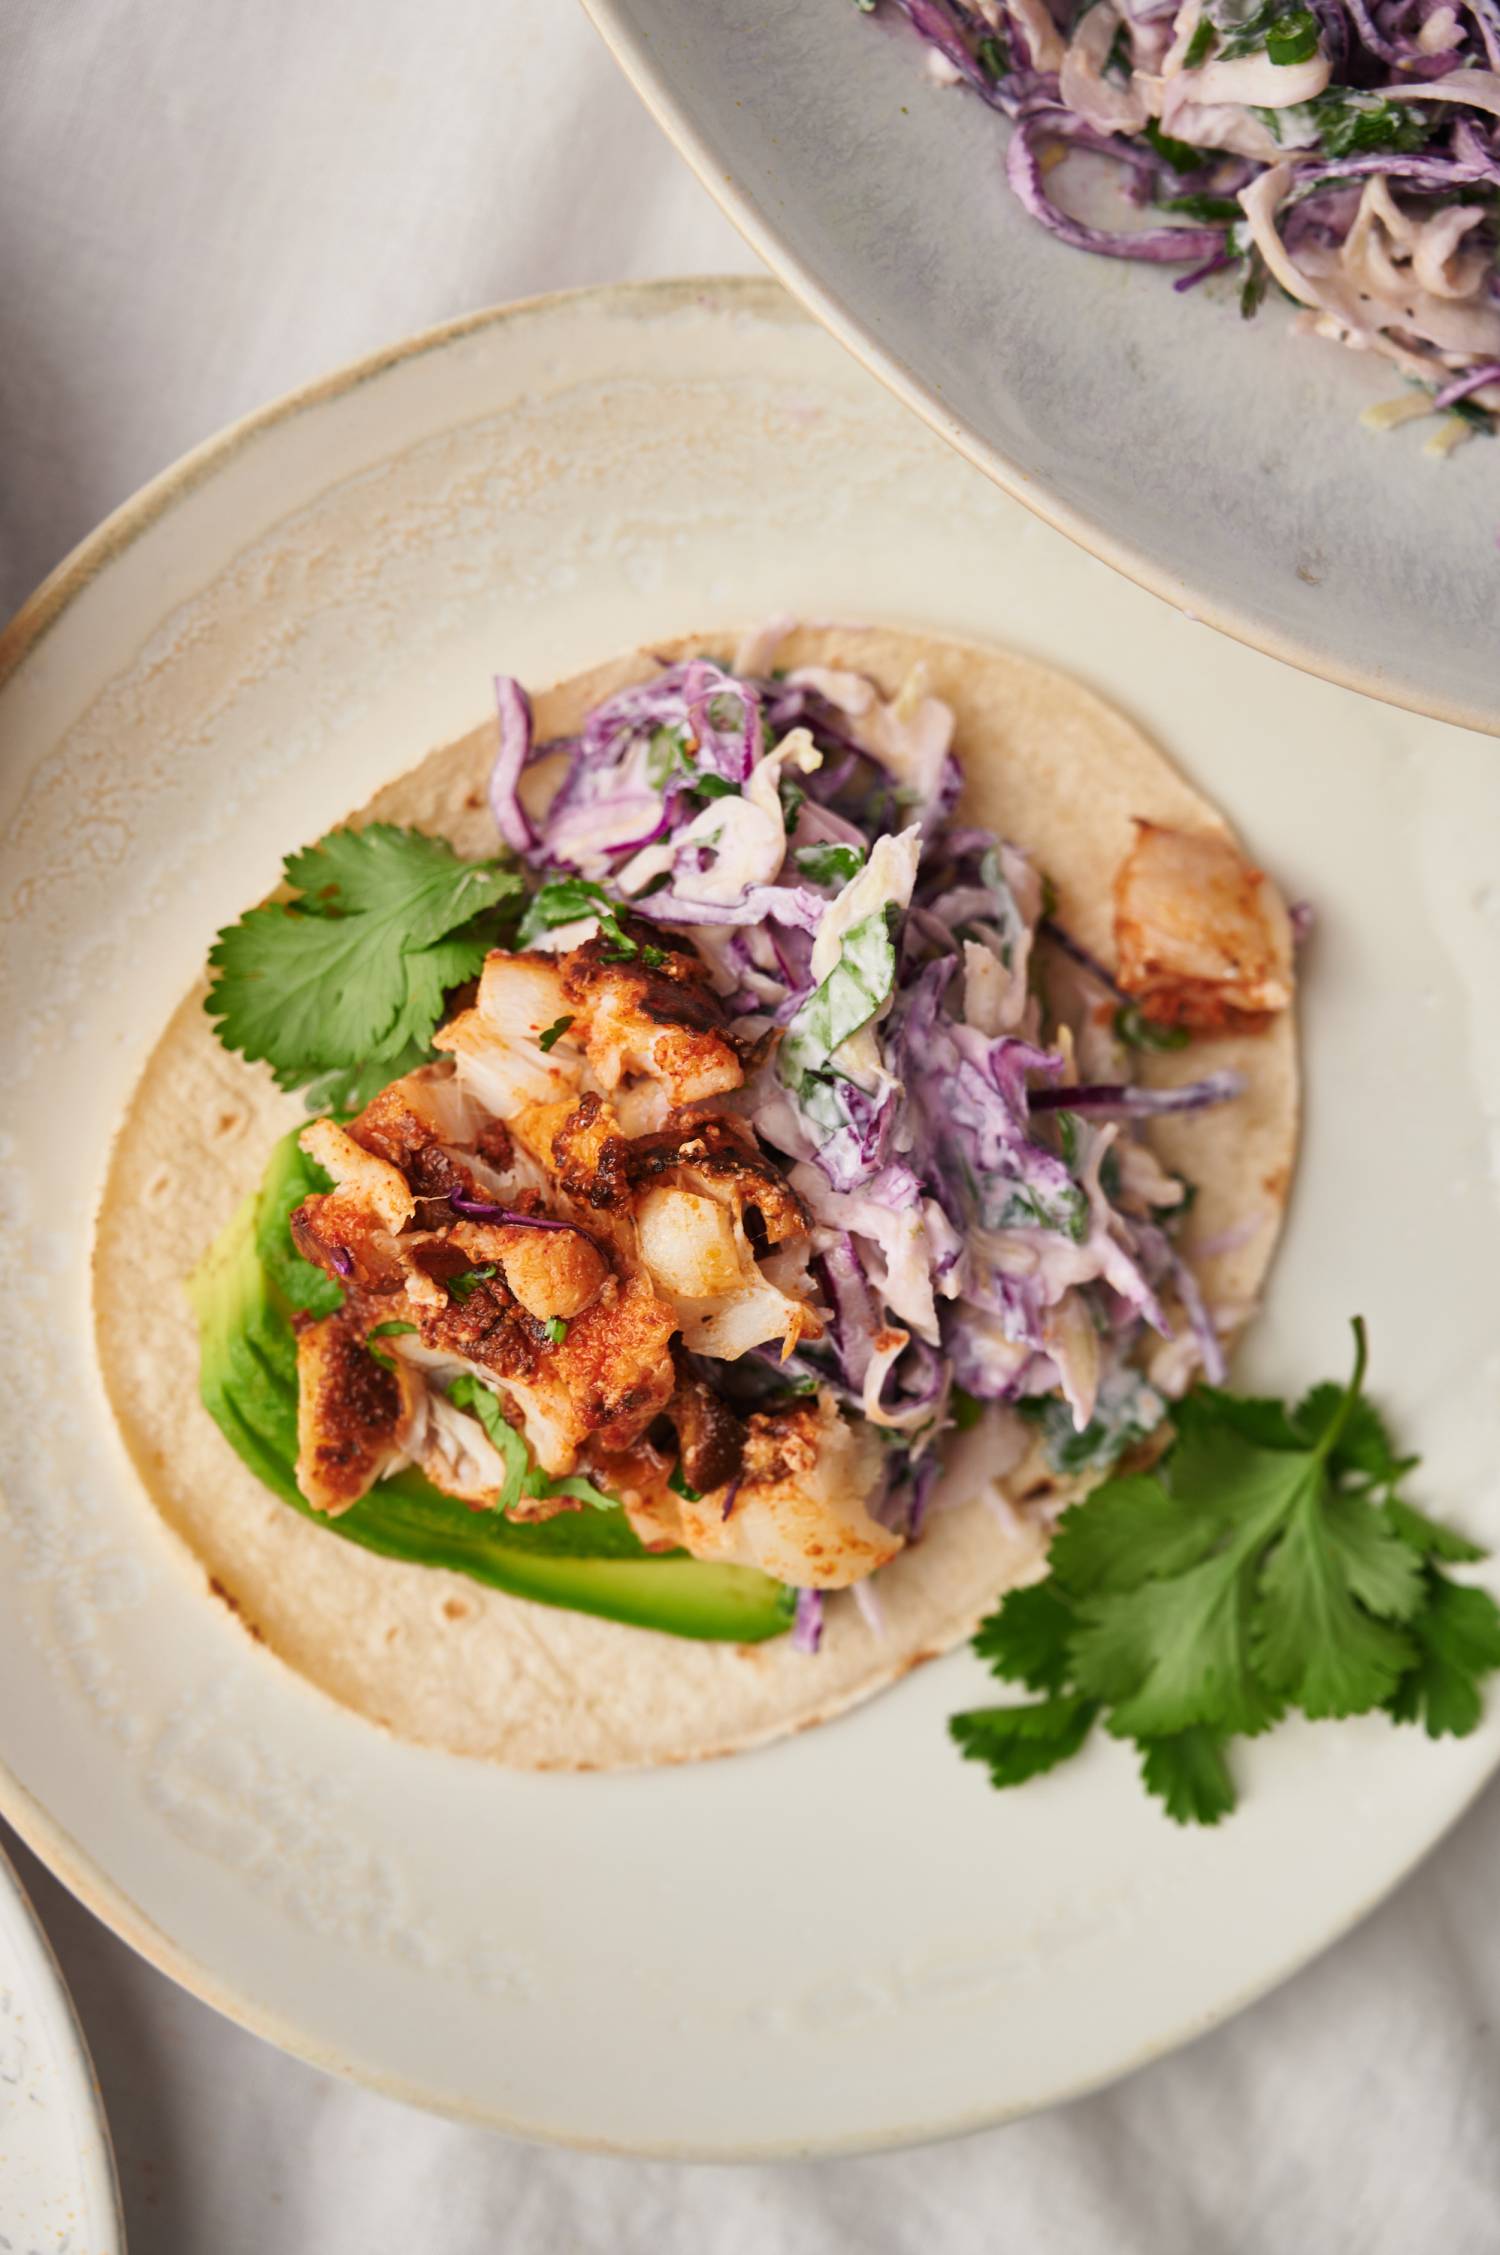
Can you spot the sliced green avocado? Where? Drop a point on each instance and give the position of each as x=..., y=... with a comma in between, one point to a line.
x=586, y=1561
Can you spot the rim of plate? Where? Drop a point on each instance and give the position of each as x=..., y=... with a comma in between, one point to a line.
x=632, y=51
x=101, y=2177
x=79, y=1871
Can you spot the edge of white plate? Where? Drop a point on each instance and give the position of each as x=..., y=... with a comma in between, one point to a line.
x=97, y=2158
x=50, y=1841
x=632, y=51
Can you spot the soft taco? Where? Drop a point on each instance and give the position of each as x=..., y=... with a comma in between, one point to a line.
x=841, y=1092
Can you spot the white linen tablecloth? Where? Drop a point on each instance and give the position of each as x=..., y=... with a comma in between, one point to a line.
x=202, y=204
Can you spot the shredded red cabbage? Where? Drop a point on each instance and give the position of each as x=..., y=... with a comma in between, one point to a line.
x=484, y=1209
x=966, y=1193
x=1196, y=100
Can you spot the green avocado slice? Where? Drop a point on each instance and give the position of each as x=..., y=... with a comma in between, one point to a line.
x=586, y=1561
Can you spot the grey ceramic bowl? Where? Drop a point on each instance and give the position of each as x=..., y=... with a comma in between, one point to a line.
x=1219, y=462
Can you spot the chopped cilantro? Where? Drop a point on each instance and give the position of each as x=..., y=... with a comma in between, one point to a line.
x=1293, y=37
x=565, y=900
x=386, y=1331
x=555, y=1329
x=1200, y=46
x=1253, y=289
x=712, y=786
x=1140, y=1032
x=1211, y=210
x=1286, y=35
x=465, y=1286
x=964, y=1410
x=666, y=756
x=1180, y=155
x=829, y=864
x=522, y=1479
x=677, y=1482
x=993, y=56
x=553, y=1033
x=343, y=986
x=1351, y=125
x=1266, y=1564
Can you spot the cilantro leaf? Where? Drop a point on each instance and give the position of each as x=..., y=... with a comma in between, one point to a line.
x=351, y=974
x=1363, y=1442
x=553, y=1033
x=1026, y=1639
x=964, y=1410
x=1180, y=155
x=1457, y=1639
x=1352, y=125
x=1128, y=1530
x=1018, y=1743
x=1313, y=1642
x=1189, y=1776
x=347, y=1089
x=566, y=900
x=1131, y=1024
x=523, y=1480
x=1174, y=1653
x=829, y=864
x=1425, y=1535
x=1200, y=45
x=1266, y=1562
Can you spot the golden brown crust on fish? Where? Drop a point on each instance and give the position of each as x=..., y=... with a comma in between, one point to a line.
x=1201, y=937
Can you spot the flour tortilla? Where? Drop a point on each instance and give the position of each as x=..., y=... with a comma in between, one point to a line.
x=434, y=1657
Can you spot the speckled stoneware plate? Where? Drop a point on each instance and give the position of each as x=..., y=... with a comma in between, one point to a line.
x=847, y=1939
x=57, y=2174
x=1217, y=461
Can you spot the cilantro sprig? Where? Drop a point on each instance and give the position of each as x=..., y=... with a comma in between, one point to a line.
x=566, y=900
x=1268, y=1563
x=339, y=989
x=523, y=1479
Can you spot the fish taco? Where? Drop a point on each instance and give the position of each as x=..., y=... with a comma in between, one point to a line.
x=637, y=1243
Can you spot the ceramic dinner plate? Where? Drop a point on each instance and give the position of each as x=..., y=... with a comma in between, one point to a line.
x=57, y=2178
x=1220, y=462
x=848, y=1939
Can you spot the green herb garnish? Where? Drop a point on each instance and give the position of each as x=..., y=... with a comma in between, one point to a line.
x=1211, y=210
x=555, y=1329
x=385, y=1331
x=963, y=1410
x=523, y=1481
x=1200, y=46
x=1140, y=1032
x=1180, y=155
x=666, y=756
x=677, y=1482
x=464, y=1287
x=566, y=900
x=1356, y=125
x=553, y=1033
x=1293, y=37
x=1268, y=1563
x=829, y=864
x=343, y=986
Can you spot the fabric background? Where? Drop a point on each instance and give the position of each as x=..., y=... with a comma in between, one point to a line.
x=202, y=204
